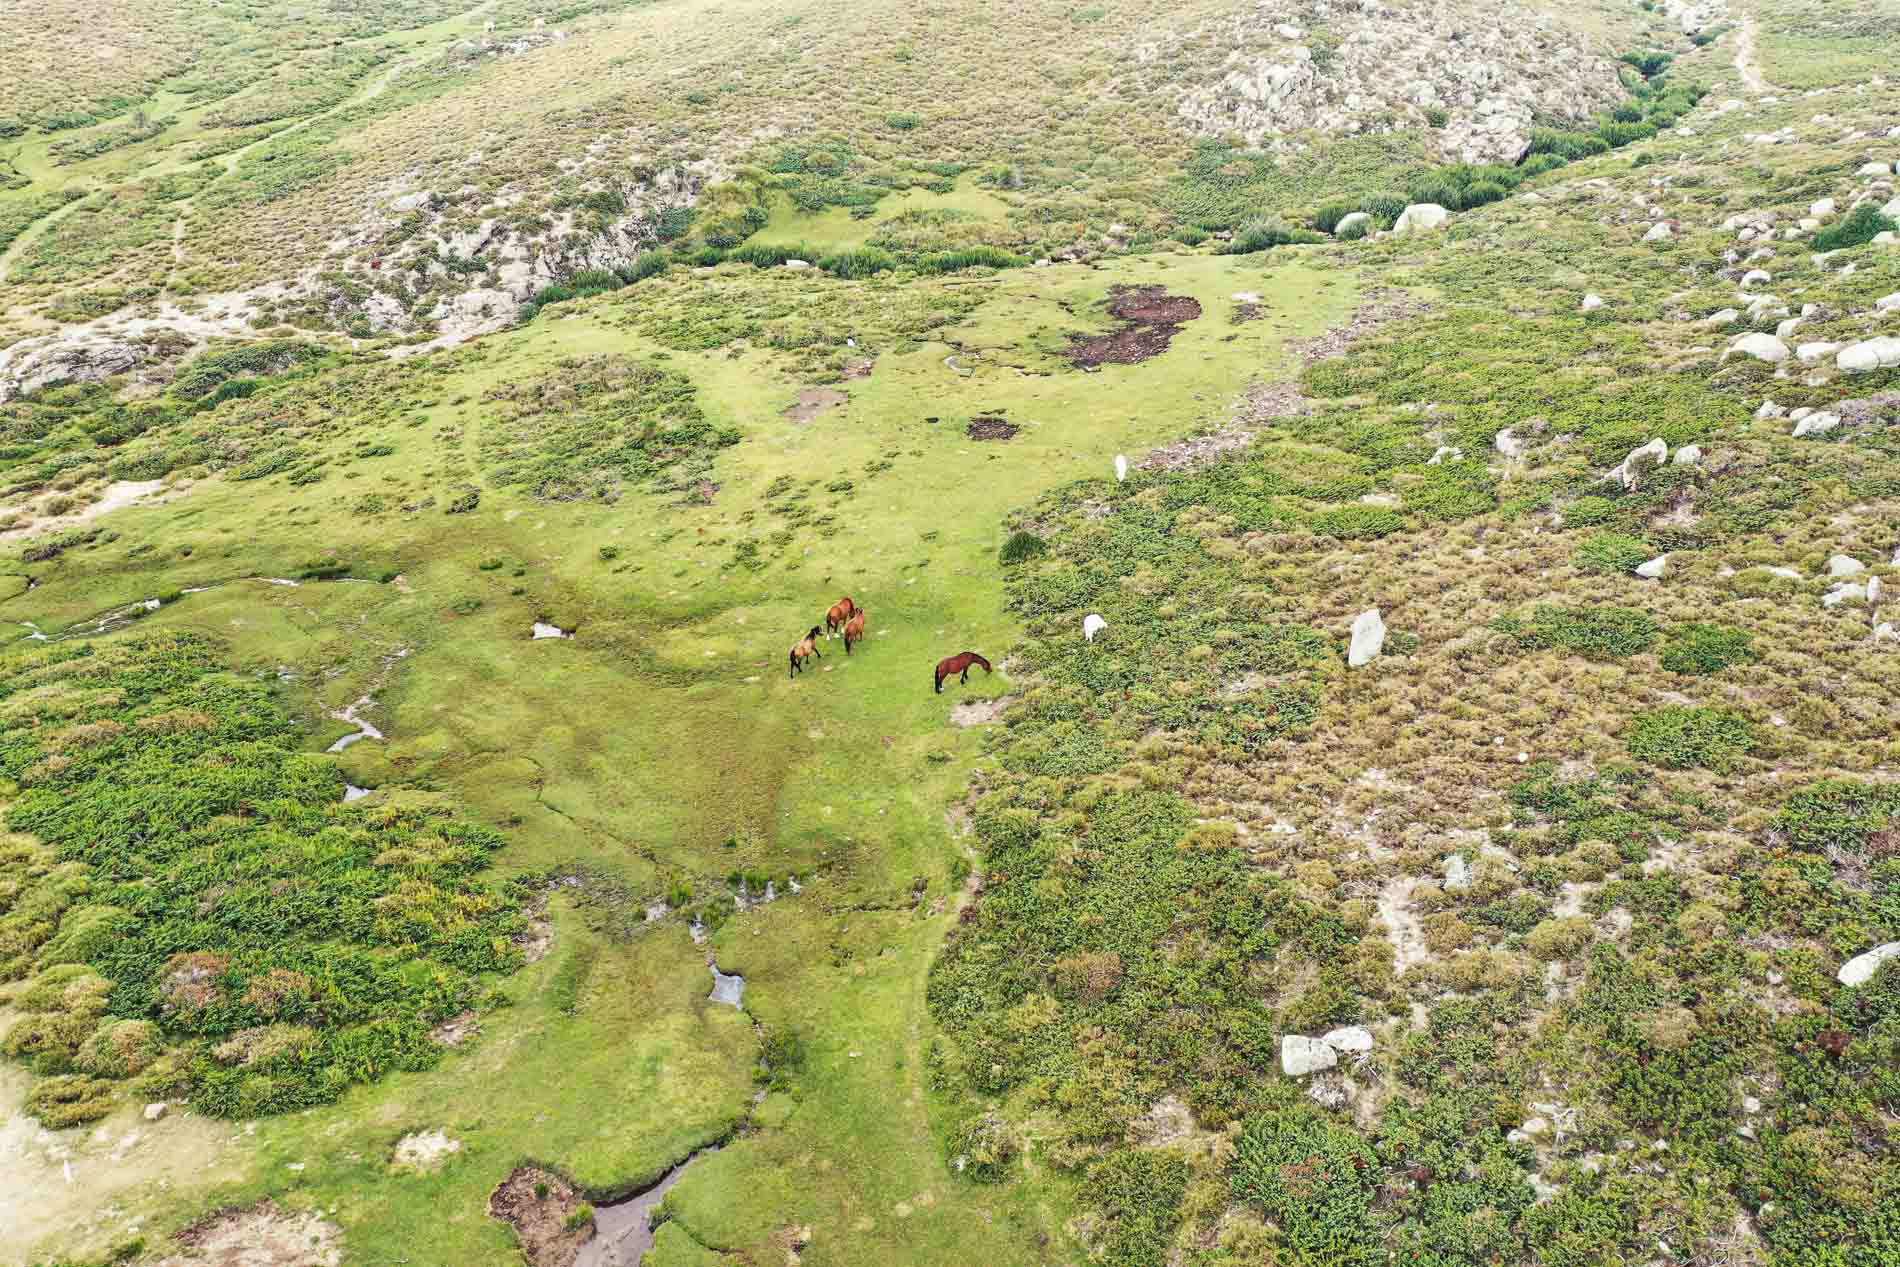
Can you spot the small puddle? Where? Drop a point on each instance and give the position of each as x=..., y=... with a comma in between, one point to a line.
x=544, y=630
x=726, y=989
x=621, y=1230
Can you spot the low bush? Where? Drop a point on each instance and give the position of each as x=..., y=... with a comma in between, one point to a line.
x=1704, y=648
x=1692, y=738
x=1610, y=552
x=865, y=261
x=1858, y=227
x=1022, y=546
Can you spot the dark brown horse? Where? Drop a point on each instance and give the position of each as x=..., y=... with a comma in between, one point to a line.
x=807, y=648
x=960, y=665
x=854, y=630
x=839, y=613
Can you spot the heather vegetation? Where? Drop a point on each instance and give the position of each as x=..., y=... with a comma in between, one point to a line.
x=1430, y=799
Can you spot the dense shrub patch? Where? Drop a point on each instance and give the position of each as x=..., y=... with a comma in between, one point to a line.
x=202, y=913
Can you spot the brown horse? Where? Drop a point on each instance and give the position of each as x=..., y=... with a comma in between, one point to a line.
x=807, y=648
x=959, y=664
x=854, y=630
x=839, y=613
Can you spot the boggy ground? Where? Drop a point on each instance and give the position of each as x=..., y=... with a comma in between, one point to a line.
x=692, y=759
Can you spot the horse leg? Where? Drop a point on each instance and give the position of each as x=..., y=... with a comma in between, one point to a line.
x=940, y=684
x=965, y=679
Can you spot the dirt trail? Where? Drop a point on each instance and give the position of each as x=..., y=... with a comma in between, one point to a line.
x=1745, y=58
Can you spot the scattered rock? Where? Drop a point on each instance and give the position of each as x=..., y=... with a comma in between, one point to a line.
x=1640, y=462
x=1351, y=222
x=1591, y=302
x=1726, y=317
x=1508, y=443
x=1355, y=1039
x=156, y=1110
x=1457, y=873
x=1882, y=352
x=1688, y=455
x=1368, y=638
x=1300, y=1056
x=1816, y=424
x=1845, y=565
x=1420, y=217
x=1653, y=569
x=1845, y=592
x=1861, y=968
x=1763, y=347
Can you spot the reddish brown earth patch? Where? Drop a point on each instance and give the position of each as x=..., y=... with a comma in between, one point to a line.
x=990, y=428
x=813, y=401
x=541, y=1222
x=858, y=369
x=1153, y=317
x=1151, y=305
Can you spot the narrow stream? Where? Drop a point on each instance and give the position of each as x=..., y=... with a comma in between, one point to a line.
x=621, y=1232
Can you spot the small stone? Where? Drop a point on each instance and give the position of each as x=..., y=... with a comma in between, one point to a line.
x=1508, y=443
x=1842, y=593
x=1591, y=302
x=156, y=1110
x=1653, y=569
x=1824, y=207
x=1845, y=565
x=1368, y=638
x=1687, y=455
x=1816, y=424
x=1726, y=317
x=1659, y=233
x=1457, y=873
x=1763, y=347
x=1756, y=277
x=1750, y=1104
x=1349, y=1038
x=1300, y=1056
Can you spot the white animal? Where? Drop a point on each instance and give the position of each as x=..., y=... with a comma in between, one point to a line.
x=1121, y=468
x=1092, y=625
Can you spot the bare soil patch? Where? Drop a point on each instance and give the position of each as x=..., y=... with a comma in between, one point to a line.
x=262, y=1235
x=1152, y=318
x=541, y=1221
x=423, y=1151
x=980, y=712
x=813, y=401
x=992, y=428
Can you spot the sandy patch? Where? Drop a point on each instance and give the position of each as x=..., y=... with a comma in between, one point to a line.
x=262, y=1235
x=423, y=1151
x=117, y=495
x=980, y=712
x=813, y=401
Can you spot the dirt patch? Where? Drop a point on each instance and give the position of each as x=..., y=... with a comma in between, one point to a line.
x=980, y=712
x=992, y=428
x=423, y=1151
x=456, y=1030
x=1152, y=318
x=1267, y=403
x=858, y=369
x=538, y=1205
x=813, y=401
x=262, y=1235
x=535, y=939
x=117, y=495
x=1151, y=305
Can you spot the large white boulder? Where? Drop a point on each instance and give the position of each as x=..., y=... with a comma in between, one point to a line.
x=1300, y=1055
x=1726, y=317
x=1815, y=353
x=1875, y=169
x=1348, y=223
x=1763, y=347
x=1816, y=424
x=1640, y=462
x=1878, y=353
x=1368, y=638
x=1421, y=217
x=1861, y=968
x=1845, y=565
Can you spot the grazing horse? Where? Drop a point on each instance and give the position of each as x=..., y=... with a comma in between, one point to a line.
x=807, y=648
x=840, y=612
x=854, y=630
x=959, y=664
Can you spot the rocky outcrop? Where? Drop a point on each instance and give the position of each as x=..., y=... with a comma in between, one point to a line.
x=29, y=367
x=1346, y=67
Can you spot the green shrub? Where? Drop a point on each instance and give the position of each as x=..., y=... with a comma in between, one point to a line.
x=1357, y=523
x=969, y=257
x=1858, y=227
x=1021, y=546
x=1260, y=235
x=1705, y=648
x=1610, y=552
x=1354, y=231
x=69, y=1100
x=1482, y=192
x=772, y=255
x=1596, y=633
x=1190, y=235
x=1327, y=218
x=1588, y=512
x=1316, y=1180
x=646, y=264
x=865, y=261
x=1385, y=209
x=985, y=1148
x=1136, y=1194
x=1692, y=738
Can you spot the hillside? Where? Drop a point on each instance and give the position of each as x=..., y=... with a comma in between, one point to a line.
x=1421, y=478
